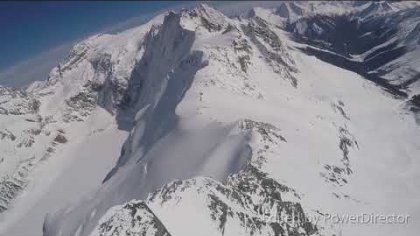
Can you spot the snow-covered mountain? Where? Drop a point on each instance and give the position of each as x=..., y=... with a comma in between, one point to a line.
x=379, y=40
x=261, y=124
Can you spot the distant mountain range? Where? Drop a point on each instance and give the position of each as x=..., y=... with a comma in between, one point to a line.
x=196, y=123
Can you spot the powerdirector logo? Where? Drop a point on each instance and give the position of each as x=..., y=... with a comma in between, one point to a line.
x=362, y=218
x=365, y=218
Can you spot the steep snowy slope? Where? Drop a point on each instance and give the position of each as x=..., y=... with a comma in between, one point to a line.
x=233, y=130
x=62, y=123
x=265, y=124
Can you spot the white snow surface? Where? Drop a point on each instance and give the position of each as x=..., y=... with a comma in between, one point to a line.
x=383, y=157
x=192, y=80
x=42, y=174
x=75, y=171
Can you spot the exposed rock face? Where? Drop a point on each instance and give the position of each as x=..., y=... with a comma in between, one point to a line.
x=235, y=185
x=375, y=40
x=233, y=128
x=276, y=55
x=39, y=122
x=134, y=218
x=249, y=201
x=17, y=102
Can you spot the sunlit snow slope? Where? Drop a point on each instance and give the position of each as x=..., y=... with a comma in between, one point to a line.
x=59, y=138
x=234, y=125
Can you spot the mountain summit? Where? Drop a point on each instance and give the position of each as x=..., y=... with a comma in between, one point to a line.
x=196, y=123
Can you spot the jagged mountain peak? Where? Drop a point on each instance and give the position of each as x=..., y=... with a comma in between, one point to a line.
x=230, y=123
x=204, y=16
x=290, y=11
x=247, y=203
